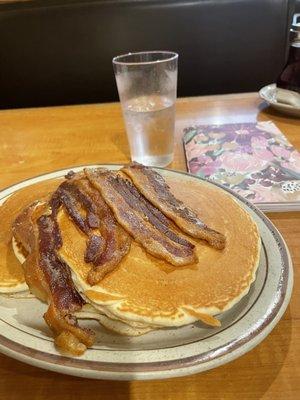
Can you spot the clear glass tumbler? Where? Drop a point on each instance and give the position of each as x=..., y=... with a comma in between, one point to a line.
x=147, y=86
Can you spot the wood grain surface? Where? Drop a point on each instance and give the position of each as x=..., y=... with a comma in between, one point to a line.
x=39, y=140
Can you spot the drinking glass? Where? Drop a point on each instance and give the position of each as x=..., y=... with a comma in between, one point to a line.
x=147, y=86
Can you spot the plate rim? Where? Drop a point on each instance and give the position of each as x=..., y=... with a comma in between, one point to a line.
x=157, y=369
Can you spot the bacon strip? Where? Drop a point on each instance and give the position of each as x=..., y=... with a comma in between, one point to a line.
x=49, y=278
x=153, y=186
x=86, y=207
x=140, y=219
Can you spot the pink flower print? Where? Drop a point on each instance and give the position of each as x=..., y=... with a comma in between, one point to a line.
x=205, y=165
x=194, y=167
x=264, y=154
x=197, y=162
x=241, y=162
x=210, y=167
x=293, y=162
x=280, y=151
x=259, y=142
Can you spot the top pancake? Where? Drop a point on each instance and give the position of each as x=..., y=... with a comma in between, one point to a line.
x=11, y=273
x=144, y=288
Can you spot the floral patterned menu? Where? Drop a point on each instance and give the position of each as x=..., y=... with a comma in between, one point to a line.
x=254, y=159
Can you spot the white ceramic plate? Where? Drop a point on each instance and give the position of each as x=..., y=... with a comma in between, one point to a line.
x=167, y=352
x=268, y=93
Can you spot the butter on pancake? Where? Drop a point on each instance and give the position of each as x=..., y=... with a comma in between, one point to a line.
x=153, y=293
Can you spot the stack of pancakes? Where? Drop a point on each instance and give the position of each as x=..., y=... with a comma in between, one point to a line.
x=144, y=292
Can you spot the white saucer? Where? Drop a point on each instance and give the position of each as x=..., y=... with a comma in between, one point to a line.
x=268, y=93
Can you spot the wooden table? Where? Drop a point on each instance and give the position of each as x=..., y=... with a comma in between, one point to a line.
x=35, y=141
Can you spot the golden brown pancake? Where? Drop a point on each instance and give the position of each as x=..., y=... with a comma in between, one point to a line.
x=146, y=293
x=11, y=273
x=150, y=291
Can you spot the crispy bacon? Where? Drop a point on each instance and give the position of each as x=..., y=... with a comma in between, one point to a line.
x=143, y=221
x=153, y=186
x=110, y=242
x=105, y=206
x=49, y=278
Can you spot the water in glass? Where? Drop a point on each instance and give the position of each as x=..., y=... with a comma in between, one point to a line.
x=150, y=128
